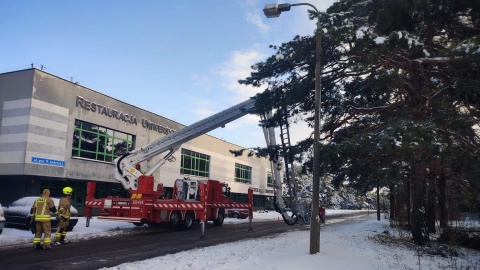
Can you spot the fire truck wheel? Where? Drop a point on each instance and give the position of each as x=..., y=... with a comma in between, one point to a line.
x=219, y=220
x=175, y=219
x=188, y=222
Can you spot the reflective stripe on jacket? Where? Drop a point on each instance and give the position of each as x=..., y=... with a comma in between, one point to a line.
x=42, y=209
x=64, y=208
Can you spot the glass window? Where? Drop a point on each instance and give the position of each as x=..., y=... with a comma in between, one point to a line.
x=194, y=163
x=269, y=179
x=120, y=135
x=243, y=174
x=99, y=143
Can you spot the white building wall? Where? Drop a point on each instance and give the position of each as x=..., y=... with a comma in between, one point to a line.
x=37, y=125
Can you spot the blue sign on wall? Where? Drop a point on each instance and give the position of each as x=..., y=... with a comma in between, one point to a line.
x=47, y=161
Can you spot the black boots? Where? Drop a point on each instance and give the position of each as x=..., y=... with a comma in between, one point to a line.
x=61, y=241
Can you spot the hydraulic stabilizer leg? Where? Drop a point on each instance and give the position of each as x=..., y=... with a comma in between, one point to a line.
x=202, y=192
x=250, y=208
x=202, y=224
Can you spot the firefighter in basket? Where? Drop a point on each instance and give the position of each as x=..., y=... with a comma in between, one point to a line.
x=40, y=220
x=63, y=216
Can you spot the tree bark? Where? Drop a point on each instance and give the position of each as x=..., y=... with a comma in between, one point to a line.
x=392, y=201
x=418, y=230
x=408, y=205
x=431, y=198
x=442, y=201
x=378, y=201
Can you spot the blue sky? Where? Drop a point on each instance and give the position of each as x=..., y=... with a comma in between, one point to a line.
x=178, y=59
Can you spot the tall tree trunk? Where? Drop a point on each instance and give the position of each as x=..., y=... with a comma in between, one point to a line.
x=442, y=200
x=417, y=175
x=378, y=201
x=392, y=201
x=408, y=205
x=431, y=198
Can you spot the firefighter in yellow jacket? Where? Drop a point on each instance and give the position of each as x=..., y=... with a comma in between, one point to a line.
x=40, y=214
x=63, y=216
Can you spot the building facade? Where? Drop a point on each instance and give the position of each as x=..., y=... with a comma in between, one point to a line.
x=55, y=133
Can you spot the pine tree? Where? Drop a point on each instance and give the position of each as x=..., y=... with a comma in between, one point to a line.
x=400, y=100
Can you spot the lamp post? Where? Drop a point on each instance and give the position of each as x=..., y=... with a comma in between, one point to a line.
x=273, y=11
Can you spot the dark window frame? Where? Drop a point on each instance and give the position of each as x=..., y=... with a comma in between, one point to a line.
x=195, y=164
x=98, y=143
x=243, y=173
x=270, y=179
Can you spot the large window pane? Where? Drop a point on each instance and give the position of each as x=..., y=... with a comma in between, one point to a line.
x=108, y=145
x=243, y=173
x=194, y=163
x=99, y=143
x=120, y=147
x=269, y=179
x=120, y=135
x=87, y=154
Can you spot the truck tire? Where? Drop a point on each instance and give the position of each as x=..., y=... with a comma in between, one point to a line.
x=188, y=222
x=175, y=219
x=219, y=220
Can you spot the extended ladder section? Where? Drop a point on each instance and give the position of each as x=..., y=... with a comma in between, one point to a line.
x=128, y=175
x=297, y=208
x=275, y=166
x=280, y=205
x=288, y=155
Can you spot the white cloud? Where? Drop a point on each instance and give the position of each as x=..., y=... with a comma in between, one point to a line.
x=255, y=19
x=230, y=71
x=244, y=131
x=239, y=67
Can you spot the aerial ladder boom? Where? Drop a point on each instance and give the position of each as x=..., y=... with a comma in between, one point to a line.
x=299, y=204
x=128, y=175
x=143, y=186
x=275, y=166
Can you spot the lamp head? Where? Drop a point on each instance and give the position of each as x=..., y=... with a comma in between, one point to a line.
x=274, y=10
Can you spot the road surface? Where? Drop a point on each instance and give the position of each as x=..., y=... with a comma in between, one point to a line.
x=141, y=245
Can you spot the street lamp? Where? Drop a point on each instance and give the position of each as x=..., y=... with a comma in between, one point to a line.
x=273, y=11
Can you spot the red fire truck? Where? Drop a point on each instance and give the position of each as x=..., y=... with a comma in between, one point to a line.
x=192, y=200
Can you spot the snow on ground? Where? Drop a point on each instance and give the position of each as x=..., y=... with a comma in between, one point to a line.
x=358, y=243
